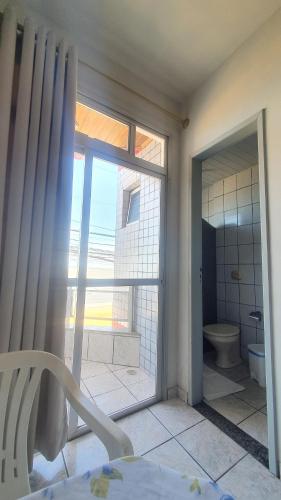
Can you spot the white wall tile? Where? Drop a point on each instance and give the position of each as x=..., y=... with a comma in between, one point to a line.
x=244, y=178
x=256, y=212
x=205, y=195
x=255, y=193
x=244, y=197
x=255, y=174
x=126, y=351
x=257, y=253
x=230, y=201
x=257, y=233
x=220, y=255
x=230, y=217
x=259, y=295
x=230, y=184
x=247, y=275
x=100, y=347
x=258, y=274
x=231, y=254
x=218, y=188
x=232, y=292
x=231, y=236
x=245, y=234
x=246, y=254
x=218, y=204
x=245, y=215
x=247, y=295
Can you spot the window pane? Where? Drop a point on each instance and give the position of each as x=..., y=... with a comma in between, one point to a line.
x=118, y=249
x=118, y=369
x=100, y=126
x=134, y=207
x=76, y=214
x=150, y=147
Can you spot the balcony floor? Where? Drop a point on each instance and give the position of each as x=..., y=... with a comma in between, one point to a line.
x=114, y=387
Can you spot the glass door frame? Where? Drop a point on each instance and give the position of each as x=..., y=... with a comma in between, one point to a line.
x=93, y=148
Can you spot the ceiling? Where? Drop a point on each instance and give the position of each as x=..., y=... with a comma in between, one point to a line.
x=173, y=45
x=230, y=161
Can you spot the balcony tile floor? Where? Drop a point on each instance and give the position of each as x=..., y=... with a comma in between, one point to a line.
x=114, y=387
x=175, y=435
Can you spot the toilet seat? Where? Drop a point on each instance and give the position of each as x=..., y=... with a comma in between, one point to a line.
x=221, y=329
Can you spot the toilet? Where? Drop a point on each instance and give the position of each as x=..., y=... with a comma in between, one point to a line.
x=225, y=338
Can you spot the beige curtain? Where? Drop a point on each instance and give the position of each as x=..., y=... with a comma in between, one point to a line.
x=37, y=114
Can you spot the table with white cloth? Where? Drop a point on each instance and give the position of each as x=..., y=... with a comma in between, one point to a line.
x=132, y=478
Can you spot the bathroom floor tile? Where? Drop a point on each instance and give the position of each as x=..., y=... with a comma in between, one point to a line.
x=84, y=453
x=256, y=426
x=114, y=401
x=176, y=415
x=100, y=384
x=252, y=481
x=211, y=448
x=254, y=395
x=232, y=408
x=172, y=454
x=45, y=473
x=264, y=410
x=144, y=430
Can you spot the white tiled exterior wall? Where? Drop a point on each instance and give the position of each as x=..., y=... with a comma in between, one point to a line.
x=137, y=256
x=232, y=207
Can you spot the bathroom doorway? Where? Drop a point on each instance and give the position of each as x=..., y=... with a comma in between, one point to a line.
x=230, y=352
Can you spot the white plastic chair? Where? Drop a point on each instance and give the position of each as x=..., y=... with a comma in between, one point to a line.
x=20, y=375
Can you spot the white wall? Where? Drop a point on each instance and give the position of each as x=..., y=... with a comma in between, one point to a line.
x=249, y=81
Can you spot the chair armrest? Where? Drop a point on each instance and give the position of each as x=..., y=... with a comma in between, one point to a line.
x=114, y=439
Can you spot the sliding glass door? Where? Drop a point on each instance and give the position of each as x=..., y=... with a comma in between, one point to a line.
x=113, y=342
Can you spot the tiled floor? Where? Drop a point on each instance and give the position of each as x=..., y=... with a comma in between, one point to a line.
x=247, y=408
x=114, y=387
x=173, y=434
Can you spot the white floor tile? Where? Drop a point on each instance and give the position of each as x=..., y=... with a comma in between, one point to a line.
x=232, y=408
x=115, y=400
x=252, y=481
x=143, y=390
x=45, y=473
x=102, y=383
x=171, y=454
x=211, y=448
x=176, y=415
x=264, y=410
x=256, y=426
x=144, y=430
x=84, y=453
x=92, y=368
x=254, y=395
x=129, y=375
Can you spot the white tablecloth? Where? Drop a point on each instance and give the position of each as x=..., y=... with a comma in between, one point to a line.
x=132, y=478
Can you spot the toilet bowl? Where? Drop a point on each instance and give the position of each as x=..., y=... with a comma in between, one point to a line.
x=225, y=339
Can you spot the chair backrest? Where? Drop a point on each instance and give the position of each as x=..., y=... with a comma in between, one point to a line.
x=20, y=375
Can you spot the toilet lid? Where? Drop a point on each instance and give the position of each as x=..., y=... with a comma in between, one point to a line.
x=223, y=329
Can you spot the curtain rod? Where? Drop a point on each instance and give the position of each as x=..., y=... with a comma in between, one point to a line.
x=184, y=122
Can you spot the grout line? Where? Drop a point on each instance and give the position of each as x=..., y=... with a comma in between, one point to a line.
x=195, y=460
x=232, y=467
x=181, y=432
x=158, y=446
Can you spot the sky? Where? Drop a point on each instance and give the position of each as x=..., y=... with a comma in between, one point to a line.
x=102, y=216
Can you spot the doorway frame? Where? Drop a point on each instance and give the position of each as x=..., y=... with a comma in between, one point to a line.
x=255, y=124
